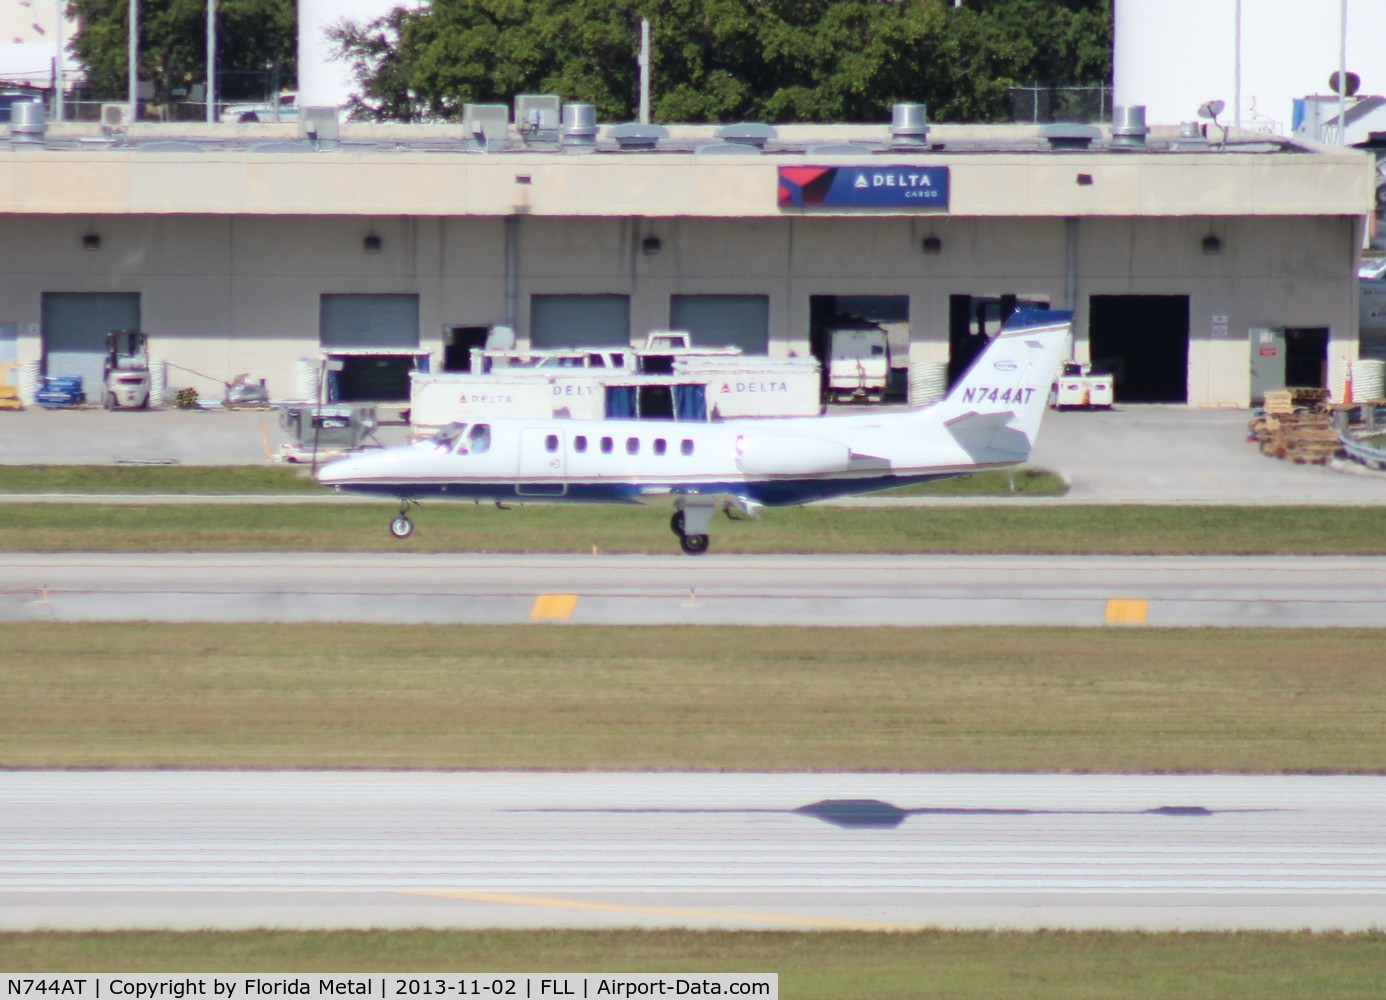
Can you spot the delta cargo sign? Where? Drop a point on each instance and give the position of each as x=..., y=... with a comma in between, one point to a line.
x=886, y=186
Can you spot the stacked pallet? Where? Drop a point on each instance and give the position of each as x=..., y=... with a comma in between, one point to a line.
x=1303, y=436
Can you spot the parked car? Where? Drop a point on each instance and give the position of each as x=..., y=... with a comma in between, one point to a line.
x=287, y=111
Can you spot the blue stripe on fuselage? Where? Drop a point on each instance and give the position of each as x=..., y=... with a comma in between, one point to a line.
x=769, y=493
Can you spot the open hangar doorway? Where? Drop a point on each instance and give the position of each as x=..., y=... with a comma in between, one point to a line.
x=1143, y=341
x=973, y=320
x=1282, y=357
x=891, y=313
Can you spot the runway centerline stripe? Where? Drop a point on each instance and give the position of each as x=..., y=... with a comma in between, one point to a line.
x=1127, y=611
x=553, y=606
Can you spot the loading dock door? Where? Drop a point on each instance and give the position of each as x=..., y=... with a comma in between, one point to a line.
x=724, y=320
x=1306, y=357
x=75, y=325
x=384, y=331
x=579, y=321
x=1143, y=340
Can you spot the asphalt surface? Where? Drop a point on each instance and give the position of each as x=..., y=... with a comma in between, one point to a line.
x=808, y=851
x=1133, y=454
x=1260, y=591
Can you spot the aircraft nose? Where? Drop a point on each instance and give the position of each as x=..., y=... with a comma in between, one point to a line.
x=338, y=472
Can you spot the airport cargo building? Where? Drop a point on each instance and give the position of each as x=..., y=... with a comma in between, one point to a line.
x=1201, y=270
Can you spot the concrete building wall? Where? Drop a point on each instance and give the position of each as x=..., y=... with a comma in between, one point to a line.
x=225, y=295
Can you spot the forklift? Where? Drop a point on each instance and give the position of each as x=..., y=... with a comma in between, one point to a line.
x=126, y=383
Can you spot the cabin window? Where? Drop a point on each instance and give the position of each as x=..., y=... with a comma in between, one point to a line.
x=660, y=446
x=551, y=443
x=618, y=360
x=596, y=361
x=580, y=443
x=632, y=446
x=606, y=446
x=686, y=447
x=480, y=439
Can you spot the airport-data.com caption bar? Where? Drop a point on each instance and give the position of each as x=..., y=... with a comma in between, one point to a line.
x=389, y=986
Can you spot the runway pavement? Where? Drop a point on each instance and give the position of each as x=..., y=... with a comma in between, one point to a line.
x=808, y=851
x=1319, y=591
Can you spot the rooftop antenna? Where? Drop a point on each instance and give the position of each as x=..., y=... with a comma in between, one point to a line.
x=1211, y=110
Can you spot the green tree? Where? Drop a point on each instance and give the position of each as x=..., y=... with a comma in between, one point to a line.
x=724, y=60
x=257, y=43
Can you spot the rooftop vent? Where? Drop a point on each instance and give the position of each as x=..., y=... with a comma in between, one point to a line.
x=1068, y=135
x=725, y=149
x=1190, y=137
x=579, y=131
x=1128, y=127
x=746, y=134
x=27, y=122
x=637, y=135
x=909, y=126
x=169, y=146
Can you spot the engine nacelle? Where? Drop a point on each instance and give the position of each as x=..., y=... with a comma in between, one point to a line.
x=786, y=455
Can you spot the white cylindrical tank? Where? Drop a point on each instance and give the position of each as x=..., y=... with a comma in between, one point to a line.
x=1174, y=55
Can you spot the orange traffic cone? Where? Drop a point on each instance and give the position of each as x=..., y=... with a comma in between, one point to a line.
x=1347, y=386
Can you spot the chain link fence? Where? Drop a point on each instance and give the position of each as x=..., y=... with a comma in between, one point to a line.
x=1045, y=103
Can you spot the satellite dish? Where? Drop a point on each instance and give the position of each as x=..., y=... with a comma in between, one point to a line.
x=1353, y=82
x=1211, y=109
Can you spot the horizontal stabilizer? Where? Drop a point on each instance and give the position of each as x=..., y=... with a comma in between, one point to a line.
x=989, y=437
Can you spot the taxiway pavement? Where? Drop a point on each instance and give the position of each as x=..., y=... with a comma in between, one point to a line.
x=185, y=850
x=1315, y=591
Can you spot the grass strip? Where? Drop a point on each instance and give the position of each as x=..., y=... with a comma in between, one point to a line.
x=811, y=966
x=446, y=527
x=170, y=479
x=701, y=698
x=272, y=479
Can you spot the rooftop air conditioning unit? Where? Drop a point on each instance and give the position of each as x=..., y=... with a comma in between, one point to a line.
x=319, y=123
x=485, y=124
x=116, y=116
x=537, y=116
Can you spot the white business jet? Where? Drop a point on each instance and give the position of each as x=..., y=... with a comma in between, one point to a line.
x=988, y=421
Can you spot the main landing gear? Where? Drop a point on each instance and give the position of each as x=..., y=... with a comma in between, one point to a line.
x=694, y=543
x=401, y=527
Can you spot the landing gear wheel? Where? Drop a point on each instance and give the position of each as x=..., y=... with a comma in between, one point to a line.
x=676, y=523
x=694, y=545
x=401, y=527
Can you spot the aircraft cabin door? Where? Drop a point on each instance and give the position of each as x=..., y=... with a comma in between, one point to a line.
x=543, y=456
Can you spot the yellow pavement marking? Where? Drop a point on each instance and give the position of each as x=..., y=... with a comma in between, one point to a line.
x=554, y=606
x=1121, y=611
x=661, y=911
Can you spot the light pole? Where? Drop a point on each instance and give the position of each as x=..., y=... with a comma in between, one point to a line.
x=211, y=61
x=133, y=60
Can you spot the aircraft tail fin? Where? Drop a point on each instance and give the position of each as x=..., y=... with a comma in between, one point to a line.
x=994, y=411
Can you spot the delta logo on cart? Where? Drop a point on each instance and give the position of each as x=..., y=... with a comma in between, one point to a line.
x=863, y=187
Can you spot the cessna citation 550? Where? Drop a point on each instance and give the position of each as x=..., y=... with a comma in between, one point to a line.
x=988, y=421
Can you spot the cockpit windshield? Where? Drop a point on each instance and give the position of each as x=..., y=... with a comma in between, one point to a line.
x=450, y=437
